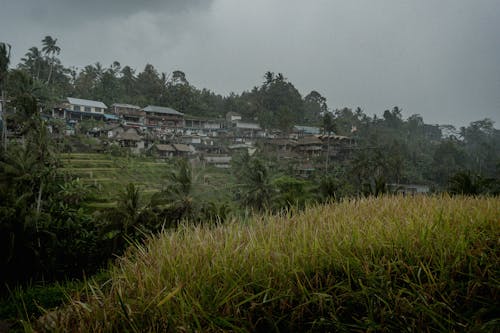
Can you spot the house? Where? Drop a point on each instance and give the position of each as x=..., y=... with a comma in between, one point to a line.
x=202, y=124
x=80, y=109
x=221, y=161
x=299, y=131
x=163, y=150
x=304, y=170
x=191, y=139
x=242, y=147
x=310, y=146
x=85, y=105
x=232, y=117
x=132, y=115
x=247, y=129
x=130, y=138
x=113, y=130
x=408, y=189
x=183, y=150
x=338, y=146
x=172, y=150
x=163, y=117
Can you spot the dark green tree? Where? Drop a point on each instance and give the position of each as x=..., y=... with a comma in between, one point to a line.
x=50, y=48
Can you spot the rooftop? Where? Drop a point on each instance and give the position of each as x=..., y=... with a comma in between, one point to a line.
x=86, y=102
x=128, y=106
x=162, y=109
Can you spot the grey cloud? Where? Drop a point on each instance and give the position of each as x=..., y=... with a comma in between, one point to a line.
x=437, y=58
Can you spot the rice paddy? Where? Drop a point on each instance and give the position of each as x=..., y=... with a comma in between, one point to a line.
x=375, y=264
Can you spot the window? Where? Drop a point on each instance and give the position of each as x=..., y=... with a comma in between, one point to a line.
x=76, y=107
x=97, y=109
x=87, y=109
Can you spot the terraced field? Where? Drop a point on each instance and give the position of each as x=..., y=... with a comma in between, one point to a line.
x=109, y=174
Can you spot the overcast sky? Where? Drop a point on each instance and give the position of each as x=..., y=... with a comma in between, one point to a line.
x=437, y=58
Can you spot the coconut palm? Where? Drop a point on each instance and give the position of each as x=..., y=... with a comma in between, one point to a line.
x=178, y=194
x=32, y=62
x=256, y=189
x=50, y=48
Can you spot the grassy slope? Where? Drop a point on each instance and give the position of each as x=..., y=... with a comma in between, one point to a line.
x=110, y=174
x=424, y=263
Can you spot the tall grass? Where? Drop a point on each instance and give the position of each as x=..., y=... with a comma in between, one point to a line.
x=384, y=264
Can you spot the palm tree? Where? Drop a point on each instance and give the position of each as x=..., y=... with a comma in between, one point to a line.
x=178, y=194
x=33, y=62
x=256, y=189
x=50, y=47
x=4, y=67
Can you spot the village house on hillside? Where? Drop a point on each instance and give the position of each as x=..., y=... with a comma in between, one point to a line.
x=132, y=115
x=310, y=146
x=163, y=117
x=80, y=109
x=203, y=125
x=172, y=150
x=130, y=138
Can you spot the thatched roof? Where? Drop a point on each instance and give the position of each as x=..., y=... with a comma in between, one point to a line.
x=161, y=147
x=129, y=135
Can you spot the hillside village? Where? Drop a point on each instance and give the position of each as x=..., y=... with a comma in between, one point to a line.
x=163, y=132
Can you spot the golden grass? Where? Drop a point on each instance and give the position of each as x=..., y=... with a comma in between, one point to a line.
x=391, y=263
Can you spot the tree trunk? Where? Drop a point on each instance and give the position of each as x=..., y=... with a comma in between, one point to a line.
x=50, y=70
x=38, y=204
x=4, y=122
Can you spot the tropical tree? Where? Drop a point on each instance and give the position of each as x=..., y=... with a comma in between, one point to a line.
x=32, y=62
x=51, y=48
x=4, y=67
x=255, y=189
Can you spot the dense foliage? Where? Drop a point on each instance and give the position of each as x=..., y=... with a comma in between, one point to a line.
x=50, y=232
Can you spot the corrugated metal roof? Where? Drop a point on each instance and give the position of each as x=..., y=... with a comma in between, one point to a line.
x=245, y=125
x=129, y=106
x=111, y=116
x=86, y=102
x=162, y=109
x=307, y=129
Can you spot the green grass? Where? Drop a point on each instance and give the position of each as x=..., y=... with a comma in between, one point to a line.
x=110, y=174
x=386, y=264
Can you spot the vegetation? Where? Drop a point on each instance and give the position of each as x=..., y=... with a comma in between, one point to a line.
x=389, y=263
x=66, y=212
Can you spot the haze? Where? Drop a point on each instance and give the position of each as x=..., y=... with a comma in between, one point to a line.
x=440, y=59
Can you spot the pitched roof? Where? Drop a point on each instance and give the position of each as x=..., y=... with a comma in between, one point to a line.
x=130, y=134
x=309, y=140
x=161, y=147
x=162, y=109
x=246, y=125
x=129, y=106
x=86, y=102
x=307, y=129
x=181, y=147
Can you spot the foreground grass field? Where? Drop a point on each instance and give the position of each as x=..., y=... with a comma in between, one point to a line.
x=386, y=264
